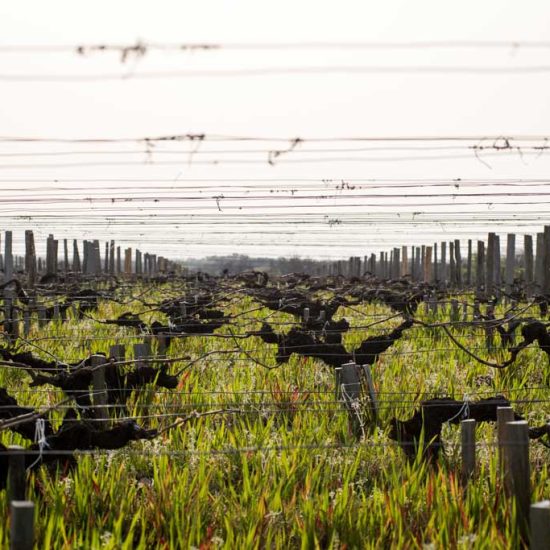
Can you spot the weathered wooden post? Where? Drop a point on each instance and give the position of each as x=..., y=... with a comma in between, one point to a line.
x=142, y=354
x=436, y=266
x=510, y=261
x=469, y=264
x=128, y=261
x=106, y=259
x=497, y=275
x=546, y=260
x=490, y=271
x=518, y=478
x=539, y=263
x=348, y=390
x=21, y=525
x=100, y=397
x=528, y=254
x=428, y=265
x=65, y=256
x=444, y=263
x=404, y=261
x=76, y=257
x=16, y=473
x=372, y=392
x=458, y=264
x=112, y=258
x=30, y=258
x=468, y=449
x=540, y=525
x=480, y=265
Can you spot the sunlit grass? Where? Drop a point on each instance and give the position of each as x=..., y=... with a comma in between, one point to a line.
x=286, y=472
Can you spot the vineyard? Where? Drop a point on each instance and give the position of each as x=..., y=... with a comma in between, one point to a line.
x=154, y=408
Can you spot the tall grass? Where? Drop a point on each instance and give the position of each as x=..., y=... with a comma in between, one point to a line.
x=287, y=474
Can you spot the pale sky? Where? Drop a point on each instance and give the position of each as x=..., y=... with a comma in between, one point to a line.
x=189, y=207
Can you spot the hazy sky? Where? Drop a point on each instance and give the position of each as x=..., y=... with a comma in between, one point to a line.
x=176, y=212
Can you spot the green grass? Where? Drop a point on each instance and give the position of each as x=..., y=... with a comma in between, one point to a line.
x=303, y=480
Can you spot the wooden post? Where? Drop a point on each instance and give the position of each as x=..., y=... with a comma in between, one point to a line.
x=76, y=257
x=41, y=309
x=112, y=258
x=404, y=261
x=16, y=473
x=504, y=416
x=452, y=265
x=539, y=263
x=142, y=353
x=497, y=275
x=348, y=390
x=436, y=267
x=8, y=257
x=458, y=264
x=21, y=525
x=540, y=525
x=372, y=392
x=49, y=255
x=106, y=259
x=30, y=258
x=428, y=265
x=96, y=255
x=305, y=316
x=117, y=352
x=128, y=261
x=489, y=272
x=546, y=260
x=100, y=397
x=396, y=263
x=510, y=261
x=528, y=254
x=469, y=264
x=118, y=260
x=518, y=479
x=480, y=267
x=65, y=256
x=9, y=294
x=468, y=448
x=443, y=263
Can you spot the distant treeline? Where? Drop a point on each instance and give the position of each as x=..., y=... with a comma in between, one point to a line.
x=236, y=263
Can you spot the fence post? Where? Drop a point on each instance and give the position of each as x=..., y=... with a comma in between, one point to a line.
x=517, y=480
x=142, y=352
x=436, y=267
x=30, y=258
x=372, y=392
x=112, y=258
x=504, y=415
x=540, y=525
x=528, y=254
x=510, y=261
x=480, y=267
x=428, y=265
x=490, y=270
x=22, y=525
x=100, y=389
x=469, y=264
x=16, y=473
x=546, y=260
x=468, y=448
x=348, y=390
x=443, y=263
x=458, y=264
